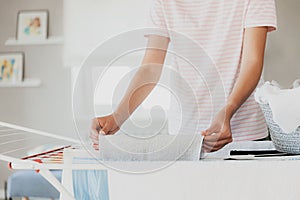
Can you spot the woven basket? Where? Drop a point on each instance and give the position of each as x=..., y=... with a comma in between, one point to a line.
x=284, y=142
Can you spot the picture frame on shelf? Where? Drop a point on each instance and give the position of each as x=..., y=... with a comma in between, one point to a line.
x=11, y=66
x=32, y=25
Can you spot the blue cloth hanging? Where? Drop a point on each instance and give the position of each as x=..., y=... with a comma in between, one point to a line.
x=90, y=184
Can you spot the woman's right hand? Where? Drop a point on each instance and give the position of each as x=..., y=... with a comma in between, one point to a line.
x=107, y=125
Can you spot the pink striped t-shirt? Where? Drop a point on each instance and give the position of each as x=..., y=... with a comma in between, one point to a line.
x=210, y=33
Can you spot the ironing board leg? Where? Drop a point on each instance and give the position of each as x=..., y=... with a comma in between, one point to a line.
x=52, y=179
x=67, y=182
x=67, y=174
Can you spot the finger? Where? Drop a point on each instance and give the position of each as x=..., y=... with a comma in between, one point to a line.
x=105, y=129
x=217, y=145
x=114, y=131
x=96, y=146
x=215, y=137
x=214, y=142
x=209, y=149
x=205, y=148
x=93, y=137
x=95, y=140
x=209, y=131
x=95, y=125
x=212, y=138
x=101, y=122
x=94, y=134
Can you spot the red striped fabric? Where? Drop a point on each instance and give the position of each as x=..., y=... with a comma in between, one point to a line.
x=211, y=57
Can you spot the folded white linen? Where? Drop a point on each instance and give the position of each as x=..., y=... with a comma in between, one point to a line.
x=122, y=147
x=284, y=103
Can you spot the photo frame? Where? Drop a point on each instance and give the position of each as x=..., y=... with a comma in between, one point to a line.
x=32, y=25
x=11, y=66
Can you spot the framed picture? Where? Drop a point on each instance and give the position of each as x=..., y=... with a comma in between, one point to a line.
x=32, y=25
x=11, y=67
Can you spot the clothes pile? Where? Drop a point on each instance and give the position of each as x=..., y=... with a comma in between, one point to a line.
x=284, y=103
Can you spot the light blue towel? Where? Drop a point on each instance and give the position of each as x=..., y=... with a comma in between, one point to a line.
x=90, y=184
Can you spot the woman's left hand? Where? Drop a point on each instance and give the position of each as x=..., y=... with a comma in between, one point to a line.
x=218, y=134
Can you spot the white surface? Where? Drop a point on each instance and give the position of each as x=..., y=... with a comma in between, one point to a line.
x=283, y=46
x=234, y=180
x=122, y=147
x=25, y=83
x=243, y=145
x=52, y=40
x=2, y=193
x=184, y=180
x=245, y=180
x=89, y=23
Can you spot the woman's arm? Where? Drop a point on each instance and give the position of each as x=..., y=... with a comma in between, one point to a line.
x=219, y=134
x=146, y=77
x=251, y=68
x=140, y=87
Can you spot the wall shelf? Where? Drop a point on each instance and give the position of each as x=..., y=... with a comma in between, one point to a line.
x=26, y=83
x=53, y=40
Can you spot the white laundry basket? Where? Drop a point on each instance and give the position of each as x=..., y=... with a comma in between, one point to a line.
x=284, y=142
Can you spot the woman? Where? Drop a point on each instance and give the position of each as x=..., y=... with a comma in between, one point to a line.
x=233, y=33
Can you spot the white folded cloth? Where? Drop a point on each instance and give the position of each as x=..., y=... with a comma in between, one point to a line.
x=284, y=103
x=122, y=147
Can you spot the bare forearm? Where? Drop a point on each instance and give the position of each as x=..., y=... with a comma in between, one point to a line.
x=251, y=69
x=245, y=85
x=140, y=87
x=146, y=77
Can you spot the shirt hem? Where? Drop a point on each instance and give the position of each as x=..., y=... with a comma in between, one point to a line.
x=271, y=27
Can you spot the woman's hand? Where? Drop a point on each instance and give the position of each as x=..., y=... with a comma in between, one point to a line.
x=107, y=125
x=219, y=133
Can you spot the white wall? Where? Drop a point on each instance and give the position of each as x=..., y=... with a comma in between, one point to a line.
x=47, y=107
x=282, y=57
x=89, y=23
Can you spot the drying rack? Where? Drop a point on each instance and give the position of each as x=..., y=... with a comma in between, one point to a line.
x=43, y=162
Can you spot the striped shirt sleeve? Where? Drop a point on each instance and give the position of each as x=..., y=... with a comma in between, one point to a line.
x=157, y=20
x=261, y=13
